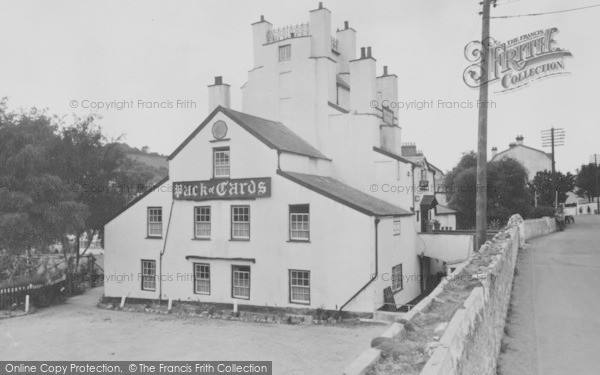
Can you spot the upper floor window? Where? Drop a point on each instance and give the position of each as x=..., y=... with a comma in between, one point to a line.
x=396, y=227
x=423, y=174
x=285, y=52
x=299, y=222
x=154, y=221
x=240, y=222
x=202, y=222
x=221, y=162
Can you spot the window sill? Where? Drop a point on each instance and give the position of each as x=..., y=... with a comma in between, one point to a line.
x=202, y=294
x=153, y=238
x=245, y=298
x=300, y=303
x=298, y=241
x=200, y=239
x=239, y=240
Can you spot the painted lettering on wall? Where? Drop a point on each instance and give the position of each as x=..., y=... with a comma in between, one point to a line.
x=244, y=188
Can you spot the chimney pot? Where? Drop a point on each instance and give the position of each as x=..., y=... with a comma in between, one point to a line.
x=520, y=140
x=346, y=25
x=320, y=5
x=385, y=71
x=368, y=51
x=362, y=52
x=218, y=80
x=262, y=18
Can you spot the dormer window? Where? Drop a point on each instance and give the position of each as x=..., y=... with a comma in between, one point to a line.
x=285, y=52
x=221, y=162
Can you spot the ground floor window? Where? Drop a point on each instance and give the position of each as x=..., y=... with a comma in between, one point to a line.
x=149, y=275
x=299, y=286
x=397, y=282
x=201, y=278
x=240, y=282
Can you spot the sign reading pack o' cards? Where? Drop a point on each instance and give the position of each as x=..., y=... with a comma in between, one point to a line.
x=244, y=188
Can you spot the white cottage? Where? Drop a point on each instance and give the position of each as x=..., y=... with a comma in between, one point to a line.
x=284, y=203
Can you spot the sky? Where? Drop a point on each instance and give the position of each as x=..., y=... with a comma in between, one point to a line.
x=65, y=55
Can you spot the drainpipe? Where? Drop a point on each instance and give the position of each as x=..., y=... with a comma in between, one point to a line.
x=375, y=275
x=162, y=253
x=422, y=272
x=412, y=174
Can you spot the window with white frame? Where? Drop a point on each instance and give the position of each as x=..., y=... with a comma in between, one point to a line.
x=240, y=222
x=149, y=275
x=154, y=221
x=396, y=227
x=423, y=174
x=221, y=162
x=299, y=286
x=397, y=282
x=240, y=282
x=299, y=222
x=202, y=222
x=201, y=278
x=285, y=52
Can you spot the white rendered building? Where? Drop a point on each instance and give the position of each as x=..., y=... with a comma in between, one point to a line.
x=294, y=201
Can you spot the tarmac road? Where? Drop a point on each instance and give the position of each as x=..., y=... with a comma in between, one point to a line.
x=554, y=322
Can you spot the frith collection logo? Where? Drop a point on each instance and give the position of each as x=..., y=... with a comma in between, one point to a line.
x=515, y=63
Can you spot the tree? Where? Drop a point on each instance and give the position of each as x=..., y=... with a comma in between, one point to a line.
x=58, y=181
x=37, y=207
x=506, y=188
x=586, y=181
x=541, y=186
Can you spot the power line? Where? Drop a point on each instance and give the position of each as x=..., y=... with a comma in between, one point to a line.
x=545, y=13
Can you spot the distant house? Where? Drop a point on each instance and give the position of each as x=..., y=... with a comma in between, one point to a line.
x=533, y=160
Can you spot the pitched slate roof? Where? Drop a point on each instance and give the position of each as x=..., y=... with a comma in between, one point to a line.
x=443, y=210
x=394, y=156
x=272, y=133
x=344, y=194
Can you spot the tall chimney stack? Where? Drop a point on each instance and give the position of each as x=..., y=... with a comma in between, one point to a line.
x=259, y=36
x=363, y=85
x=320, y=31
x=218, y=94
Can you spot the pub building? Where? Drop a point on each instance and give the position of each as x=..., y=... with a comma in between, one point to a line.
x=295, y=200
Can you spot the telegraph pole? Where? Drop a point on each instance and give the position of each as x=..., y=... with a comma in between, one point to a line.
x=481, y=197
x=553, y=137
x=594, y=158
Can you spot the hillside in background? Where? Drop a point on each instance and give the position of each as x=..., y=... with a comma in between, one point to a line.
x=153, y=162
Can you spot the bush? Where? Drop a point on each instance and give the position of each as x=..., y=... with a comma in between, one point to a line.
x=541, y=211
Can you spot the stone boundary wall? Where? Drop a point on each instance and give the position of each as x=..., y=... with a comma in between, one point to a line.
x=470, y=343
